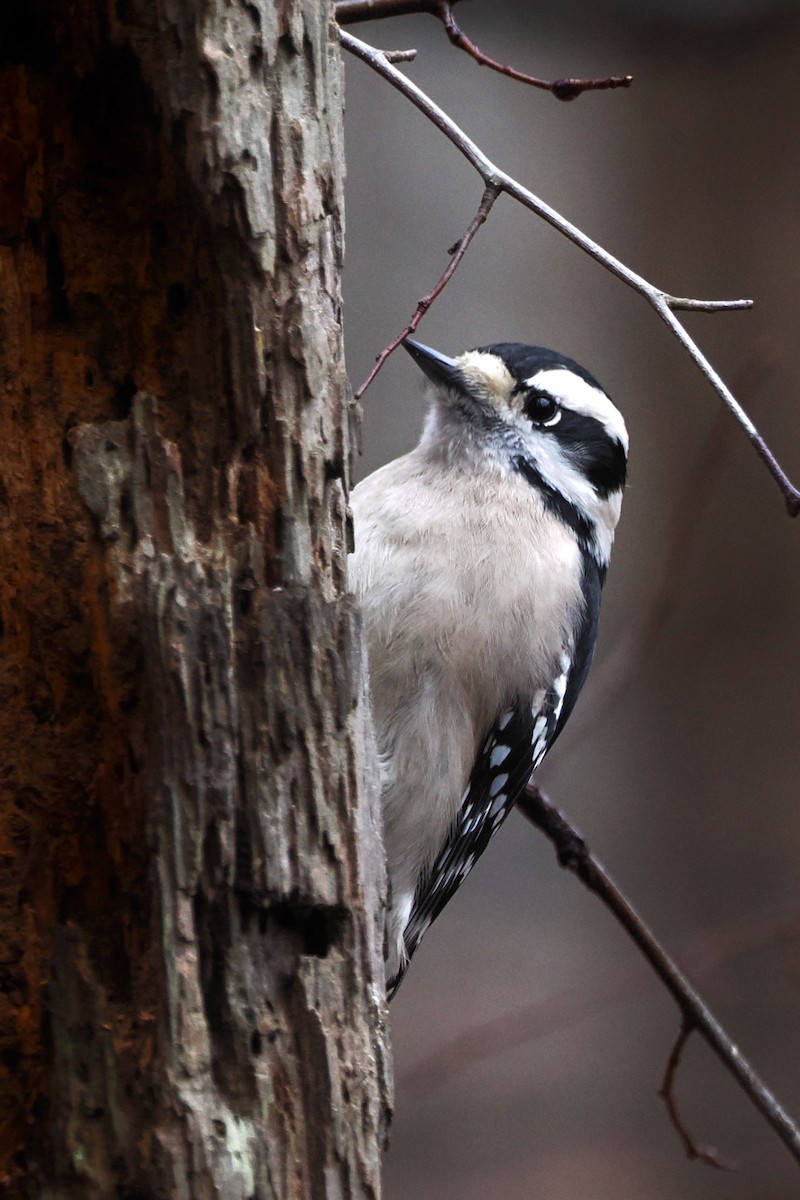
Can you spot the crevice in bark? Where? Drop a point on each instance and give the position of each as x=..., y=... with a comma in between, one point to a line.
x=315, y=929
x=56, y=281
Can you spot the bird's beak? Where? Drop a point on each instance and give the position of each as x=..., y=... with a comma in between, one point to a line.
x=438, y=367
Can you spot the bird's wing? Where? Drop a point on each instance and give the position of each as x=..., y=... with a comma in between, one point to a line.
x=514, y=747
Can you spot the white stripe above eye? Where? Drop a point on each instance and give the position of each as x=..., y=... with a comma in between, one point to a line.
x=581, y=397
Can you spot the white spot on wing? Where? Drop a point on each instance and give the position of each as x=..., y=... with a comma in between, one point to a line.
x=498, y=783
x=499, y=755
x=498, y=804
x=560, y=686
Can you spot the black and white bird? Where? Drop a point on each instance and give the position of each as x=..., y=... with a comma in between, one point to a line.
x=479, y=561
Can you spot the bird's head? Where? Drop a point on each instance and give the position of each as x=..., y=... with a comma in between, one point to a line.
x=540, y=414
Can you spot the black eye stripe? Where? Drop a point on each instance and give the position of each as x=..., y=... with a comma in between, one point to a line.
x=602, y=458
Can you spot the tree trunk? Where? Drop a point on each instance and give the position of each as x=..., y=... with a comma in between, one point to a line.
x=190, y=866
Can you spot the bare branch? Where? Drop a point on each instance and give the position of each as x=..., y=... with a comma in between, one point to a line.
x=348, y=12
x=573, y=854
x=706, y=1154
x=562, y=89
x=681, y=304
x=396, y=56
x=663, y=302
x=457, y=251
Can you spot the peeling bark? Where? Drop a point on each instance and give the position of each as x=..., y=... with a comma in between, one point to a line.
x=190, y=867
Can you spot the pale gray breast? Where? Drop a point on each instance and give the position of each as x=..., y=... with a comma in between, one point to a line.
x=470, y=574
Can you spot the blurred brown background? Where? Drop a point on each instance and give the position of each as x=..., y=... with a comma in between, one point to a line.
x=686, y=784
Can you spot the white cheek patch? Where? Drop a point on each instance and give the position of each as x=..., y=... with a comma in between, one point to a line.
x=579, y=396
x=560, y=472
x=565, y=478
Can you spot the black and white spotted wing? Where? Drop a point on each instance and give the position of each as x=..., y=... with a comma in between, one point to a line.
x=514, y=747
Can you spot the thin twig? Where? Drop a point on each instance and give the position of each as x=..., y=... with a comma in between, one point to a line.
x=348, y=12
x=573, y=854
x=396, y=56
x=457, y=251
x=665, y=304
x=562, y=89
x=706, y=1154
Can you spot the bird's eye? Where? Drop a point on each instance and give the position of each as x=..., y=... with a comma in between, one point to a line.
x=541, y=408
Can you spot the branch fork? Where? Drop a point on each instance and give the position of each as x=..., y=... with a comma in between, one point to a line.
x=573, y=854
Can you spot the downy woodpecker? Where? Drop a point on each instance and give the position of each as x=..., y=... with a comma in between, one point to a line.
x=479, y=562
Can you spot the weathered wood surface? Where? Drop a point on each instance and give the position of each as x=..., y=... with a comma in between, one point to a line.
x=190, y=995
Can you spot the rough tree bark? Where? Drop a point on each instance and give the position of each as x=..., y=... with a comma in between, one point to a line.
x=190, y=996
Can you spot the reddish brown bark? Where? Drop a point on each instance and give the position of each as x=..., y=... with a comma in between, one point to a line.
x=190, y=872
